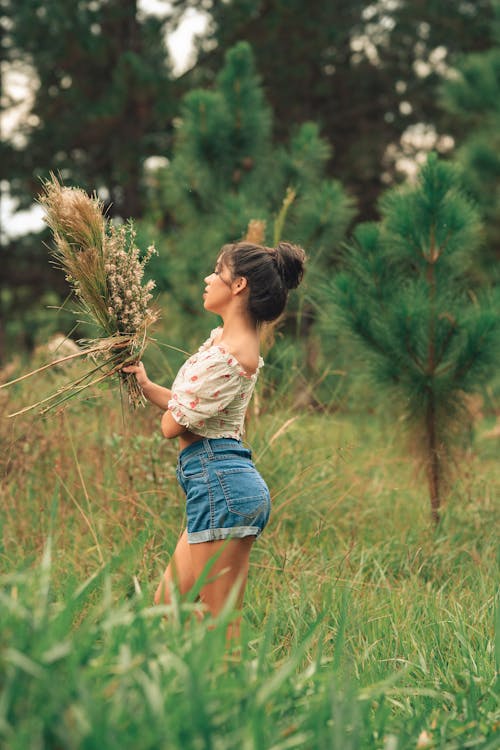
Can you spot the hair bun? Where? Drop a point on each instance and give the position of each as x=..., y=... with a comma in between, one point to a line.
x=290, y=260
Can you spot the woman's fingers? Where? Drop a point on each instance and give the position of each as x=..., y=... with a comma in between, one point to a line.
x=140, y=373
x=133, y=368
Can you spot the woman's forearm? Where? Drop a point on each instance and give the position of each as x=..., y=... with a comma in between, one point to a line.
x=157, y=394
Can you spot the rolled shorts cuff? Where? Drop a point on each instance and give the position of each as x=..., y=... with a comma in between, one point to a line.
x=232, y=532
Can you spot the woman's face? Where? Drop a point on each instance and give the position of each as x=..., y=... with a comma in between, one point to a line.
x=218, y=289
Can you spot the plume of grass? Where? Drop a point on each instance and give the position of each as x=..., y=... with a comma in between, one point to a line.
x=256, y=231
x=105, y=270
x=279, y=222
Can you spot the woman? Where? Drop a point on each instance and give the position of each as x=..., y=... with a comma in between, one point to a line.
x=228, y=502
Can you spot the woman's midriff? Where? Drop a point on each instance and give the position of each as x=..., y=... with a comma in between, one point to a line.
x=188, y=438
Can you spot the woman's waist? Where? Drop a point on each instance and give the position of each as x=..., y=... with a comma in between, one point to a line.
x=188, y=438
x=206, y=449
x=212, y=429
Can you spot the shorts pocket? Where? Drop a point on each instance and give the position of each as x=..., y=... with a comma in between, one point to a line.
x=192, y=470
x=245, y=491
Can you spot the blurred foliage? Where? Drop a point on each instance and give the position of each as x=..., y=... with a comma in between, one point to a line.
x=364, y=70
x=473, y=97
x=319, y=108
x=99, y=74
x=225, y=171
x=102, y=97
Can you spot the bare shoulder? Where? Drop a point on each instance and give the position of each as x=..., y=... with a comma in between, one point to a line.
x=244, y=348
x=247, y=352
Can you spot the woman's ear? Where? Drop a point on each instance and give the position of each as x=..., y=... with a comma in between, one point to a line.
x=240, y=284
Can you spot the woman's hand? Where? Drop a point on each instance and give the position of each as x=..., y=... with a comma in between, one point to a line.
x=155, y=393
x=140, y=373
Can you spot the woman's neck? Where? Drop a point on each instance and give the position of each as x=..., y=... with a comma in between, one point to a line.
x=236, y=324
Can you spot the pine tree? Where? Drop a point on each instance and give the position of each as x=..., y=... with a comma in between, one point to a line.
x=473, y=97
x=226, y=171
x=404, y=297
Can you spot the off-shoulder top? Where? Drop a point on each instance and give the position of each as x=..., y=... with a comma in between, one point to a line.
x=211, y=392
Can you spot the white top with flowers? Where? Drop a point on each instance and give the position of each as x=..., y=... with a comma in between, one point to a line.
x=211, y=391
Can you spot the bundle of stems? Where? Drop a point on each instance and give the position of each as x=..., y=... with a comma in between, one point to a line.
x=105, y=270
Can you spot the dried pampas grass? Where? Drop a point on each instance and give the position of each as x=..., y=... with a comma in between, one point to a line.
x=105, y=270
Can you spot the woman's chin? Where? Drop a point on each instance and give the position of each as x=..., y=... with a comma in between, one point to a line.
x=209, y=307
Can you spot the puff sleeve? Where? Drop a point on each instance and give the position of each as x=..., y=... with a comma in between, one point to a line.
x=206, y=384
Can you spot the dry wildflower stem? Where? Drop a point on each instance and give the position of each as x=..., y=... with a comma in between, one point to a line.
x=105, y=270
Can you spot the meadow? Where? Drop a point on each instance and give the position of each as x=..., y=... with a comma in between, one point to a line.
x=364, y=626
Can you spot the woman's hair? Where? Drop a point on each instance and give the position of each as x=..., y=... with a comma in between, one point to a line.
x=270, y=271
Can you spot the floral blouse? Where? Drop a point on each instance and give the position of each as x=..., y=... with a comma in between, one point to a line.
x=211, y=392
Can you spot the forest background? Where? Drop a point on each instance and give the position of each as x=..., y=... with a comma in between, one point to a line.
x=317, y=120
x=342, y=100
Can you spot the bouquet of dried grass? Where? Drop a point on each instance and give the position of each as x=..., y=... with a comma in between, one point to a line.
x=105, y=270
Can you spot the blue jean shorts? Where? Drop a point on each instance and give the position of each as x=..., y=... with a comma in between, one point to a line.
x=225, y=494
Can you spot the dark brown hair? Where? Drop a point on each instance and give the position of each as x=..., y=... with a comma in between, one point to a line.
x=270, y=271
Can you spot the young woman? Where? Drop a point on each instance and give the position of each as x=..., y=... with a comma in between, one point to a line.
x=228, y=502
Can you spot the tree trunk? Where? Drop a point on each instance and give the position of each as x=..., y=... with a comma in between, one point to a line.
x=433, y=462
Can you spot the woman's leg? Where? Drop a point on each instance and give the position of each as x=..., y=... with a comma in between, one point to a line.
x=179, y=571
x=228, y=570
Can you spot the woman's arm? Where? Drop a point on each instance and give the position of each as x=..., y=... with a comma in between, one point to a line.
x=157, y=394
x=170, y=428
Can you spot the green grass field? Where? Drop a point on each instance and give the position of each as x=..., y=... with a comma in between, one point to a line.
x=364, y=627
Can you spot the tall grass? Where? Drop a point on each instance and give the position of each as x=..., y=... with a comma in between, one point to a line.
x=363, y=627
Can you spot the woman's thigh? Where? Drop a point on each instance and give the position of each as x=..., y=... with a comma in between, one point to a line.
x=179, y=572
x=228, y=562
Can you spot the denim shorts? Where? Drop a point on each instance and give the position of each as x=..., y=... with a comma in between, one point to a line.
x=225, y=494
